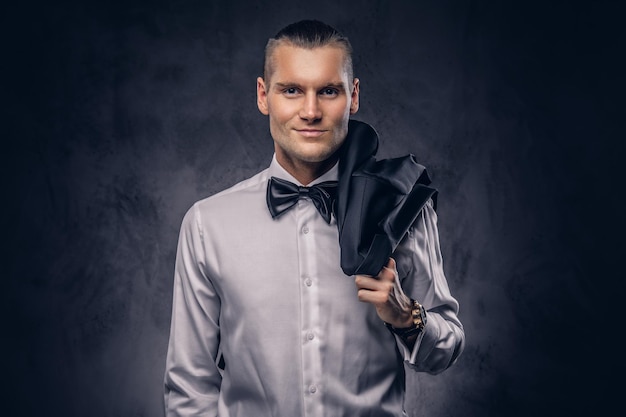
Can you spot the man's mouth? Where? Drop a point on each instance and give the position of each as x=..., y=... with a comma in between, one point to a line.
x=310, y=133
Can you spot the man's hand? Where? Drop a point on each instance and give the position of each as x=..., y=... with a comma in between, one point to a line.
x=385, y=293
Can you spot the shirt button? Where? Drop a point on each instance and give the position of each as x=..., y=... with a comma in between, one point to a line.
x=308, y=282
x=305, y=230
x=312, y=389
x=310, y=336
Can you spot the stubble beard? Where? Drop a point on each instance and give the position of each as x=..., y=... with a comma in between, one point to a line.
x=309, y=151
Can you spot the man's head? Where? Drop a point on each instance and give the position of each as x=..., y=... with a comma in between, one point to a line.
x=308, y=92
x=307, y=34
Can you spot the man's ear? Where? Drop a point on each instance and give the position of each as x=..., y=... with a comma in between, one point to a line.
x=354, y=97
x=261, y=95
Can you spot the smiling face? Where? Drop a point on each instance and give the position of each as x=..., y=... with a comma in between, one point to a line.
x=308, y=99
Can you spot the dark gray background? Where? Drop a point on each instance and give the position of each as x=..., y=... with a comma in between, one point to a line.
x=119, y=116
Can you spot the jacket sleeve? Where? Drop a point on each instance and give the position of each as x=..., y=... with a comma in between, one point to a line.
x=192, y=377
x=420, y=267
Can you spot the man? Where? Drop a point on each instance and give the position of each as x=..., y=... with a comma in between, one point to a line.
x=262, y=290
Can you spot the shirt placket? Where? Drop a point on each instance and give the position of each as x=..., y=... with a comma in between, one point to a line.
x=310, y=337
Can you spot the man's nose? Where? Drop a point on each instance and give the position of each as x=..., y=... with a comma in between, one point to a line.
x=310, y=108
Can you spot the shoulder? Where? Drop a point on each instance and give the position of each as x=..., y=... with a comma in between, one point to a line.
x=237, y=200
x=241, y=189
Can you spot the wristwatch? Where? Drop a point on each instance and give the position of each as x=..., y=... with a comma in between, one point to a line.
x=419, y=322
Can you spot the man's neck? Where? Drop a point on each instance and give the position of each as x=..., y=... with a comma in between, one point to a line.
x=306, y=172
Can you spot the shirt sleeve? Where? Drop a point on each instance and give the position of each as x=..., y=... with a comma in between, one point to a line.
x=420, y=267
x=192, y=377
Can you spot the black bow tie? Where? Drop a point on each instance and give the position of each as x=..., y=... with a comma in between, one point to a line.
x=282, y=195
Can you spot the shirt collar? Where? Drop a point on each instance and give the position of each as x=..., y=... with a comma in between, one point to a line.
x=276, y=170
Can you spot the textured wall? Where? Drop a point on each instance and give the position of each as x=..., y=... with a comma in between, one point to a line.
x=120, y=116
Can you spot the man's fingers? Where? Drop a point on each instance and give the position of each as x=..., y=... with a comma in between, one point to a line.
x=373, y=297
x=391, y=264
x=388, y=273
x=377, y=290
x=370, y=283
x=373, y=290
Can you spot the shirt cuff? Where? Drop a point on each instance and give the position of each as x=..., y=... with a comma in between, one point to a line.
x=424, y=344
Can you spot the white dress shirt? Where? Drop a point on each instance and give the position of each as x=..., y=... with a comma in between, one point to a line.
x=270, y=296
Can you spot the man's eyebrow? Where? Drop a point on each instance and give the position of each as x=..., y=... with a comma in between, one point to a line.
x=337, y=85
x=285, y=85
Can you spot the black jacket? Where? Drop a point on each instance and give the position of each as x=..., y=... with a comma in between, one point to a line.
x=377, y=201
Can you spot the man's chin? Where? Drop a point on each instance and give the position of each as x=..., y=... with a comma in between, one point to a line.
x=317, y=152
x=310, y=153
x=317, y=157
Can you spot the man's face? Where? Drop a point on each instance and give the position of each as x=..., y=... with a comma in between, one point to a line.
x=308, y=99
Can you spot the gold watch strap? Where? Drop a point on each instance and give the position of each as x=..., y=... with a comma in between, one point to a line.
x=418, y=314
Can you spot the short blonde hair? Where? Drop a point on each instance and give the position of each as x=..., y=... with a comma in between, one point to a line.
x=308, y=34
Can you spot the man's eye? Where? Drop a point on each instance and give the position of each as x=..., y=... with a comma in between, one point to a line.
x=329, y=92
x=290, y=91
